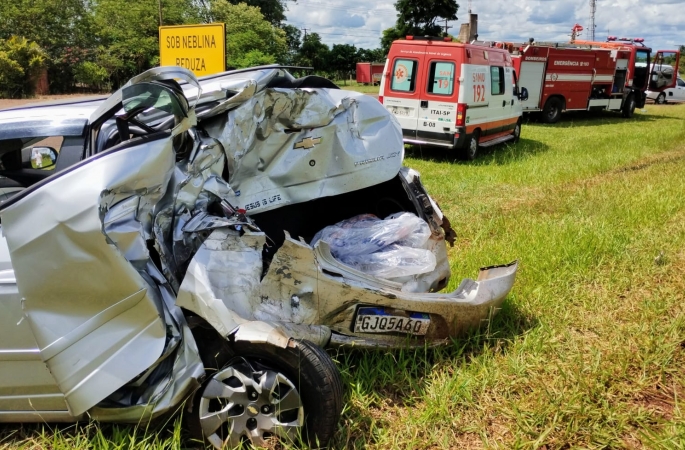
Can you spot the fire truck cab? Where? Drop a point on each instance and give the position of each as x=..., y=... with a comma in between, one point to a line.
x=452, y=95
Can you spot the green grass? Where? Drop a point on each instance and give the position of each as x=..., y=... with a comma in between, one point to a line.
x=587, y=351
x=357, y=87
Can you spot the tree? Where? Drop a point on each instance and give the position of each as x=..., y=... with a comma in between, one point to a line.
x=20, y=63
x=314, y=53
x=681, y=64
x=254, y=58
x=293, y=39
x=127, y=33
x=63, y=29
x=272, y=10
x=419, y=18
x=371, y=55
x=390, y=35
x=343, y=60
x=246, y=32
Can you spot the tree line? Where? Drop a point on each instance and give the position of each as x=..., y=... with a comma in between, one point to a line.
x=100, y=44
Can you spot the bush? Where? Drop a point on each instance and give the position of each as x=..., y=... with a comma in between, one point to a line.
x=91, y=75
x=21, y=61
x=253, y=58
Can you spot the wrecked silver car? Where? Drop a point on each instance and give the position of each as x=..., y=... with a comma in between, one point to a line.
x=221, y=230
x=109, y=310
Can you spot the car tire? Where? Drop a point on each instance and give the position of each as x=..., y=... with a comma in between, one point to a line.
x=551, y=113
x=470, y=151
x=517, y=132
x=661, y=99
x=628, y=107
x=229, y=408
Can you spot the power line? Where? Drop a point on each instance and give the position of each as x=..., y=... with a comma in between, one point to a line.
x=351, y=10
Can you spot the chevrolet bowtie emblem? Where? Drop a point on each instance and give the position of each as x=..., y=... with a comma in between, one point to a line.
x=307, y=143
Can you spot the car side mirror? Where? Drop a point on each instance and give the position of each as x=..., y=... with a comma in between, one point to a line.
x=43, y=157
x=523, y=96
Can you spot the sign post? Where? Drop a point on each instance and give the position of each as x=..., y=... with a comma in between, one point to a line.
x=200, y=48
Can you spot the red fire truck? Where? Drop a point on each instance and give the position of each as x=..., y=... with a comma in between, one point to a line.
x=584, y=75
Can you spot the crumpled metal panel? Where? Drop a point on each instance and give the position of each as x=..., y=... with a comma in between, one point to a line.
x=223, y=285
x=97, y=322
x=287, y=146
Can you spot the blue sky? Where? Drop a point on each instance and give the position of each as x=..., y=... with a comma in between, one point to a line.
x=360, y=22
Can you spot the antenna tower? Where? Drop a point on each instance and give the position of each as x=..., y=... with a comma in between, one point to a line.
x=593, y=11
x=469, y=6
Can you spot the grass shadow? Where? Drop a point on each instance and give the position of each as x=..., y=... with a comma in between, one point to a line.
x=499, y=154
x=87, y=435
x=382, y=379
x=570, y=119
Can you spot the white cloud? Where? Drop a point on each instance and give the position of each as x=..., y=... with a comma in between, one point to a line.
x=360, y=22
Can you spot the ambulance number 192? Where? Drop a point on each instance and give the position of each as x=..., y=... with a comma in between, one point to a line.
x=478, y=93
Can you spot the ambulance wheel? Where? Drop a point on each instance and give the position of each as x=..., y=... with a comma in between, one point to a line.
x=551, y=113
x=470, y=151
x=628, y=107
x=517, y=131
x=661, y=99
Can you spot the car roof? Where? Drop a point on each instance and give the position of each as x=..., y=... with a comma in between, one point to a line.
x=56, y=118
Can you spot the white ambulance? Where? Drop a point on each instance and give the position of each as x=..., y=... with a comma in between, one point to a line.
x=452, y=95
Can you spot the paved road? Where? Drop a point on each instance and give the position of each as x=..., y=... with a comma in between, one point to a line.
x=7, y=103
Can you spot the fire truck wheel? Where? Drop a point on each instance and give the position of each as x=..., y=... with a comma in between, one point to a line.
x=470, y=152
x=517, y=131
x=629, y=107
x=552, y=110
x=661, y=99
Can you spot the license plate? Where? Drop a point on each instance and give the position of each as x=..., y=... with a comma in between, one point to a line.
x=378, y=320
x=400, y=111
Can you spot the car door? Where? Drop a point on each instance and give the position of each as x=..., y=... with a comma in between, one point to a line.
x=664, y=70
x=26, y=385
x=97, y=321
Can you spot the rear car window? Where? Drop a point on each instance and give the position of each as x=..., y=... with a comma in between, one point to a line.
x=441, y=78
x=497, y=80
x=404, y=75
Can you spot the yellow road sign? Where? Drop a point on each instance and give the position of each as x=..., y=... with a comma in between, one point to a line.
x=200, y=48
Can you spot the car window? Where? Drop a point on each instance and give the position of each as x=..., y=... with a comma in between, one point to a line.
x=681, y=82
x=404, y=75
x=497, y=80
x=441, y=78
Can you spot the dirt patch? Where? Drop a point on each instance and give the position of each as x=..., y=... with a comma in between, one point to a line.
x=659, y=400
x=14, y=103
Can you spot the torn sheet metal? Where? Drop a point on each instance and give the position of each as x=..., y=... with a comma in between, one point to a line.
x=287, y=146
x=93, y=302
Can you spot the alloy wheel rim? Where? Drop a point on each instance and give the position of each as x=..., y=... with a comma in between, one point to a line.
x=243, y=402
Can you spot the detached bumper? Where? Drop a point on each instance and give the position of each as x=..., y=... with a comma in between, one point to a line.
x=472, y=304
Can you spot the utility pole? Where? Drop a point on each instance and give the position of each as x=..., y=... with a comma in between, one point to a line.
x=159, y=3
x=593, y=11
x=305, y=33
x=446, y=27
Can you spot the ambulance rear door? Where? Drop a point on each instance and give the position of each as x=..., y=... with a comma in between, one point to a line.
x=401, y=87
x=438, y=106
